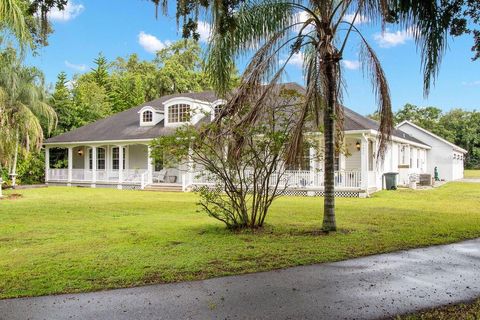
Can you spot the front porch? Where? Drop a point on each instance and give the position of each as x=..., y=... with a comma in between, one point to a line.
x=98, y=165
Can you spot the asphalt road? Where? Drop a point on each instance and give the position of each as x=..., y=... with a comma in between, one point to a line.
x=365, y=288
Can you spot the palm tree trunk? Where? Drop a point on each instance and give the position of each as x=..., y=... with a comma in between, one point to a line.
x=329, y=223
x=13, y=173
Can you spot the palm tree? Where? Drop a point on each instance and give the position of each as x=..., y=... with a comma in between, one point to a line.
x=318, y=31
x=23, y=108
x=12, y=16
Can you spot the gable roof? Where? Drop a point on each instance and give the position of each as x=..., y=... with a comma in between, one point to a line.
x=126, y=124
x=454, y=146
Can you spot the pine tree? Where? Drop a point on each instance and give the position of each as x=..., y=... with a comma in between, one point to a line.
x=61, y=101
x=100, y=72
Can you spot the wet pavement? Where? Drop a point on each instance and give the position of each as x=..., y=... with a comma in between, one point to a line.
x=366, y=288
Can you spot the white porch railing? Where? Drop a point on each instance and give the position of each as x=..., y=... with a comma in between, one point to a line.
x=291, y=179
x=85, y=175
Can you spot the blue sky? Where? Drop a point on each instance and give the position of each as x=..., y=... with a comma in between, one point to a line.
x=121, y=27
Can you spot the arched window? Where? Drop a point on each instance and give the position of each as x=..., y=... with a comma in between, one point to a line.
x=147, y=116
x=179, y=113
x=218, y=108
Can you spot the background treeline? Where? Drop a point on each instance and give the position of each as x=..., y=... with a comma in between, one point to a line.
x=111, y=87
x=458, y=126
x=39, y=112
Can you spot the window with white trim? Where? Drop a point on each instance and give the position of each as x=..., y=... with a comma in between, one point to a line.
x=90, y=158
x=101, y=158
x=179, y=113
x=218, y=108
x=147, y=116
x=116, y=158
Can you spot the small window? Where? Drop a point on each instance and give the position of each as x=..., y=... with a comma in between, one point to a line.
x=101, y=159
x=147, y=116
x=179, y=113
x=116, y=157
x=90, y=158
x=217, y=110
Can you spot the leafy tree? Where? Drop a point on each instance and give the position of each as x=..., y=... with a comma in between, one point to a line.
x=126, y=91
x=180, y=68
x=247, y=179
x=132, y=67
x=91, y=101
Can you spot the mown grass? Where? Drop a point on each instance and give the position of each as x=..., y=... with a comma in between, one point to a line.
x=471, y=174
x=56, y=240
x=463, y=311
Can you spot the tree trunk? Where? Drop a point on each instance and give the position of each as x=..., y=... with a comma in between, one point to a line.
x=329, y=223
x=13, y=173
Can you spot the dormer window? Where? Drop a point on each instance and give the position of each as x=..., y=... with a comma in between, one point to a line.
x=178, y=113
x=147, y=116
x=216, y=111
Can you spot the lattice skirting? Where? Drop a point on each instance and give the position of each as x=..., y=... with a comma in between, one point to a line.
x=319, y=193
x=311, y=193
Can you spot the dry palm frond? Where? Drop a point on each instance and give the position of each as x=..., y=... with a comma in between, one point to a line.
x=374, y=69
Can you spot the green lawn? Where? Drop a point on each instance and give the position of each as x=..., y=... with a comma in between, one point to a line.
x=472, y=173
x=55, y=240
x=468, y=311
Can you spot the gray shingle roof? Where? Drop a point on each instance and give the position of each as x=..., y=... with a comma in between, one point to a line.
x=126, y=125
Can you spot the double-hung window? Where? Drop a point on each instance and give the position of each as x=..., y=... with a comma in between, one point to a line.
x=116, y=158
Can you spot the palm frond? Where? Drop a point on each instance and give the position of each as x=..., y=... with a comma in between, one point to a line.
x=372, y=67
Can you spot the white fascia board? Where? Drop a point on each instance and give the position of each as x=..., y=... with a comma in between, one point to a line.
x=99, y=142
x=454, y=146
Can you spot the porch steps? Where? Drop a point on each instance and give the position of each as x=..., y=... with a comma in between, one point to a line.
x=165, y=187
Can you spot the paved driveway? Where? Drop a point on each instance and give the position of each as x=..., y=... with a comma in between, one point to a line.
x=365, y=288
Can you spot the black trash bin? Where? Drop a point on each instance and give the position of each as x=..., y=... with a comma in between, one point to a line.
x=390, y=180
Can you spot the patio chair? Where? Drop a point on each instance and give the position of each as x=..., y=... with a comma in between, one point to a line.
x=161, y=176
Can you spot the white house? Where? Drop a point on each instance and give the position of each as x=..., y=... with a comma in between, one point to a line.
x=445, y=156
x=114, y=152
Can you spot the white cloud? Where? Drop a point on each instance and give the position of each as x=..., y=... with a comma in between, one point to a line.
x=389, y=39
x=78, y=67
x=351, y=64
x=71, y=11
x=359, y=20
x=204, y=29
x=471, y=83
x=302, y=16
x=151, y=43
x=296, y=60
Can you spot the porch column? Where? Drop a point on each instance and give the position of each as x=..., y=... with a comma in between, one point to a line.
x=70, y=164
x=120, y=166
x=312, y=157
x=47, y=163
x=94, y=166
x=149, y=165
x=364, y=162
